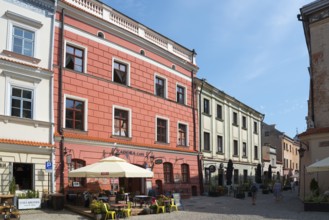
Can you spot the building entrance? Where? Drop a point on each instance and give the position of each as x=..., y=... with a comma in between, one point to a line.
x=23, y=173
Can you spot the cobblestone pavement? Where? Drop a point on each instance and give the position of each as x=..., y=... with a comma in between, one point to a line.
x=204, y=207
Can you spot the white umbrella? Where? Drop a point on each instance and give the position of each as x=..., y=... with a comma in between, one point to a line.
x=111, y=167
x=322, y=165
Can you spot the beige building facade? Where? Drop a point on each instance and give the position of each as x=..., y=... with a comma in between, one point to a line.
x=315, y=140
x=229, y=130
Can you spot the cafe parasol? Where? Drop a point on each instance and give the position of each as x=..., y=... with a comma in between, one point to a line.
x=111, y=167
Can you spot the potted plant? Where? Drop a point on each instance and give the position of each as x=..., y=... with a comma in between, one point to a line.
x=316, y=202
x=29, y=200
x=97, y=208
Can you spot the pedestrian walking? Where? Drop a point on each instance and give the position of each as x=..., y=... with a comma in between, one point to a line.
x=277, y=187
x=253, y=190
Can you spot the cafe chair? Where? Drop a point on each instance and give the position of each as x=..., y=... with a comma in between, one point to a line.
x=160, y=207
x=172, y=205
x=127, y=211
x=108, y=213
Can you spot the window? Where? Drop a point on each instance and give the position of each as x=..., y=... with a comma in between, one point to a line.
x=121, y=123
x=219, y=112
x=23, y=41
x=206, y=141
x=244, y=122
x=255, y=127
x=180, y=94
x=74, y=114
x=76, y=164
x=206, y=109
x=182, y=131
x=267, y=133
x=161, y=130
x=256, y=152
x=160, y=86
x=185, y=173
x=100, y=34
x=235, y=148
x=120, y=73
x=235, y=118
x=244, y=149
x=21, y=103
x=219, y=144
x=74, y=58
x=168, y=172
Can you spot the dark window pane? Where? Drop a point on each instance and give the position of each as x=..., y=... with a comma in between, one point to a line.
x=16, y=103
x=27, y=94
x=16, y=92
x=68, y=123
x=27, y=114
x=15, y=112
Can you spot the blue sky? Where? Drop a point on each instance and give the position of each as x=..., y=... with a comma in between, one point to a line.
x=253, y=50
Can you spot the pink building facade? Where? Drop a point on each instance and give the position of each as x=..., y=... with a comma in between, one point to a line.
x=122, y=89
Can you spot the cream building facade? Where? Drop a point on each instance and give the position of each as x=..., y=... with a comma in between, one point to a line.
x=315, y=140
x=26, y=118
x=229, y=130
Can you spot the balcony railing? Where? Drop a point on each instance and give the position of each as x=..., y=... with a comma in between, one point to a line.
x=108, y=14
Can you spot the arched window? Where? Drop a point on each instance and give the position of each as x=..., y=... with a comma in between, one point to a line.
x=168, y=172
x=75, y=164
x=100, y=34
x=142, y=52
x=173, y=67
x=185, y=173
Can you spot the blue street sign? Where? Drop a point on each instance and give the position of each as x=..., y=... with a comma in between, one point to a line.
x=49, y=166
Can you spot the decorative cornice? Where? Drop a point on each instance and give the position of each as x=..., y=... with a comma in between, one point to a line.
x=45, y=5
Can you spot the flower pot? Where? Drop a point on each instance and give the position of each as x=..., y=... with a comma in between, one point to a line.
x=316, y=206
x=98, y=216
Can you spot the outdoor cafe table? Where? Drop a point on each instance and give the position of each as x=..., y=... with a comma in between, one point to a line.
x=118, y=207
x=140, y=198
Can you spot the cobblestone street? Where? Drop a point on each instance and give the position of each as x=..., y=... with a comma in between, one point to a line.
x=204, y=207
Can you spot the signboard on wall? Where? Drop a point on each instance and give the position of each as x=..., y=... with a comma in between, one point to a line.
x=29, y=203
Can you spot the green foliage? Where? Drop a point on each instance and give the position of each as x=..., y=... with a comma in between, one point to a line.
x=97, y=207
x=314, y=187
x=12, y=186
x=29, y=195
x=316, y=199
x=259, y=174
x=229, y=172
x=161, y=199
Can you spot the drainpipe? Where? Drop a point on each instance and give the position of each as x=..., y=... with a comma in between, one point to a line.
x=199, y=153
x=51, y=98
x=60, y=108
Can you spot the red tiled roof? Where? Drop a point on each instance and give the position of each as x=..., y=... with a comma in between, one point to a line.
x=22, y=63
x=24, y=142
x=124, y=142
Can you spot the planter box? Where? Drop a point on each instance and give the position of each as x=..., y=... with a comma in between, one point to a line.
x=34, y=203
x=316, y=207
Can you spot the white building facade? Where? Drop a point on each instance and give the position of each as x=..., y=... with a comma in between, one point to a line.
x=26, y=84
x=229, y=130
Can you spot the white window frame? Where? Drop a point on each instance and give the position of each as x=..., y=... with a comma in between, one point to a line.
x=85, y=116
x=185, y=94
x=187, y=132
x=114, y=59
x=25, y=83
x=165, y=86
x=129, y=118
x=156, y=128
x=11, y=25
x=85, y=54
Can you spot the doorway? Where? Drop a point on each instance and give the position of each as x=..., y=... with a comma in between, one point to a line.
x=23, y=173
